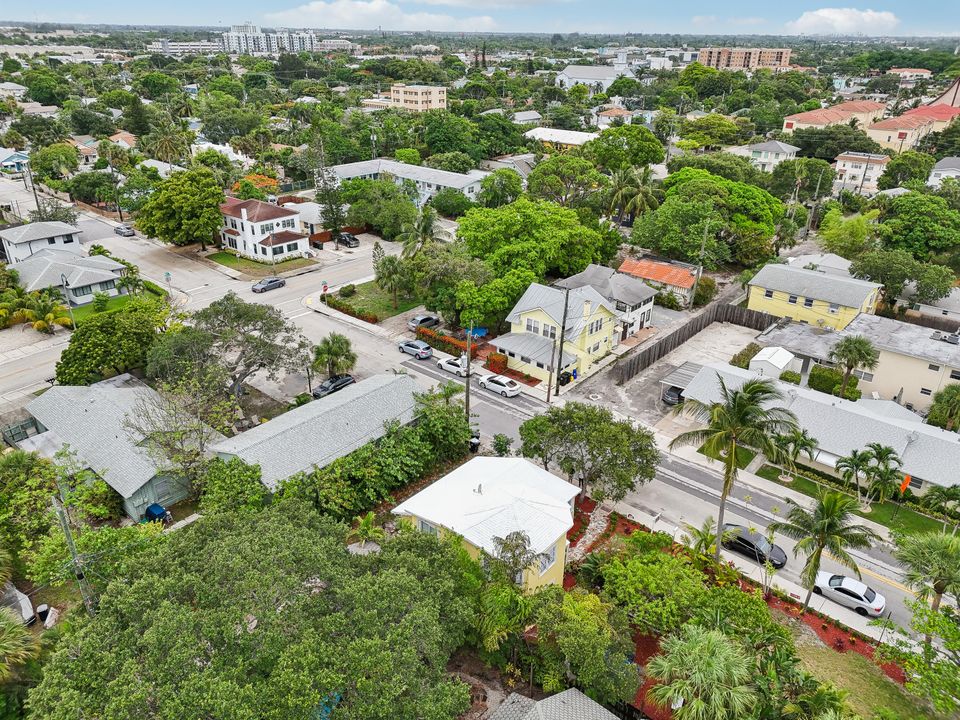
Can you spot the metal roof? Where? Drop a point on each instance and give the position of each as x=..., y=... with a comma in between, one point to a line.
x=567, y=705
x=682, y=376
x=551, y=301
x=418, y=173
x=537, y=348
x=846, y=291
x=610, y=284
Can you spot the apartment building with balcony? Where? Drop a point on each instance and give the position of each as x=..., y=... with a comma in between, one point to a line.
x=725, y=58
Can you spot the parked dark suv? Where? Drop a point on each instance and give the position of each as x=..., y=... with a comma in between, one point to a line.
x=332, y=384
x=349, y=240
x=755, y=546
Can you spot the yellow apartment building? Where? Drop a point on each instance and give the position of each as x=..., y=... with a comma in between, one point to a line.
x=811, y=296
x=531, y=345
x=901, y=133
x=488, y=498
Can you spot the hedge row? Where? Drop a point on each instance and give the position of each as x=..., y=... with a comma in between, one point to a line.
x=348, y=309
x=447, y=344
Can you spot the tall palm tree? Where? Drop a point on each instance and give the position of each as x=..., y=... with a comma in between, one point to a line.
x=43, y=314
x=392, y=277
x=827, y=527
x=932, y=562
x=941, y=499
x=334, y=355
x=167, y=142
x=852, y=353
x=421, y=232
x=881, y=454
x=854, y=465
x=704, y=672
x=630, y=192
x=795, y=443
x=946, y=408
x=742, y=418
x=884, y=481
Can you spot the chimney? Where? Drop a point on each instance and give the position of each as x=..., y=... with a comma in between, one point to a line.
x=243, y=214
x=587, y=307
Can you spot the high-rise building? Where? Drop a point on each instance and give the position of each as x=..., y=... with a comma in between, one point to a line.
x=250, y=39
x=164, y=46
x=745, y=58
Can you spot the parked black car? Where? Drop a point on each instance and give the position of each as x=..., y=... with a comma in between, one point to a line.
x=349, y=240
x=753, y=545
x=332, y=384
x=672, y=395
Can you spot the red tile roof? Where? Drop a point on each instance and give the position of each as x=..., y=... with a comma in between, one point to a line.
x=257, y=210
x=859, y=106
x=279, y=238
x=837, y=113
x=658, y=272
x=935, y=112
x=910, y=70
x=904, y=122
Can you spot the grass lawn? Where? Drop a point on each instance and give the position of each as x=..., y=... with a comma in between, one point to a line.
x=868, y=688
x=906, y=520
x=744, y=456
x=257, y=269
x=372, y=299
x=83, y=312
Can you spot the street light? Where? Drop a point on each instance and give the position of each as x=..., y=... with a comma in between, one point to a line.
x=66, y=289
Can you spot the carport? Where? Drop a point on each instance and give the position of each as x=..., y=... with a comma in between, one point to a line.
x=681, y=377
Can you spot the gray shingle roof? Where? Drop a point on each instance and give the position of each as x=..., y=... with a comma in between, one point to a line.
x=37, y=231
x=551, y=301
x=316, y=434
x=848, y=292
x=610, y=284
x=44, y=269
x=567, y=705
x=948, y=163
x=841, y=426
x=774, y=146
x=595, y=72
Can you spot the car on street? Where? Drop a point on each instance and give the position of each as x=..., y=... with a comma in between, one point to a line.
x=851, y=593
x=124, y=229
x=753, y=545
x=500, y=384
x=268, y=283
x=418, y=348
x=457, y=366
x=422, y=321
x=672, y=395
x=332, y=384
x=349, y=240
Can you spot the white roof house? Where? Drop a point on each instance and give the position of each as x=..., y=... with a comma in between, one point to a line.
x=767, y=155
x=822, y=262
x=48, y=267
x=428, y=180
x=556, y=136
x=949, y=167
x=772, y=361
x=491, y=497
x=595, y=77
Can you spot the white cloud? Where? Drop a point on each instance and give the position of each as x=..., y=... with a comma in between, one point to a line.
x=487, y=3
x=704, y=19
x=844, y=21
x=369, y=14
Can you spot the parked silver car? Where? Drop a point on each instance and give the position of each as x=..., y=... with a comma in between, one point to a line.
x=418, y=348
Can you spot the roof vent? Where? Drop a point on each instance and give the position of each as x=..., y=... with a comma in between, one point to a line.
x=479, y=490
x=952, y=339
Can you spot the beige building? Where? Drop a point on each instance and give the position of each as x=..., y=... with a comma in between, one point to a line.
x=901, y=133
x=859, y=172
x=745, y=58
x=915, y=361
x=418, y=98
x=864, y=112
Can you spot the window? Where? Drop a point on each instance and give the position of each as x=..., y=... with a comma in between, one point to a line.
x=595, y=348
x=550, y=331
x=926, y=391
x=51, y=241
x=768, y=293
x=864, y=375
x=428, y=528
x=621, y=306
x=277, y=249
x=955, y=374
x=69, y=239
x=548, y=558
x=808, y=302
x=792, y=299
x=292, y=247
x=104, y=286
x=524, y=359
x=533, y=326
x=540, y=365
x=834, y=308
x=935, y=368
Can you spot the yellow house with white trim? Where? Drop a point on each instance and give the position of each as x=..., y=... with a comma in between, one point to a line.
x=531, y=345
x=811, y=296
x=488, y=498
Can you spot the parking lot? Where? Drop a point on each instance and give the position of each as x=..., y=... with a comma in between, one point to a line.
x=640, y=397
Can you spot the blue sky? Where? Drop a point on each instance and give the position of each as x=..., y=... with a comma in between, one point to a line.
x=928, y=17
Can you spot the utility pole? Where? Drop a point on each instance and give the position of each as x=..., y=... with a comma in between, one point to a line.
x=703, y=248
x=816, y=204
x=33, y=186
x=76, y=562
x=467, y=391
x=563, y=328
x=553, y=364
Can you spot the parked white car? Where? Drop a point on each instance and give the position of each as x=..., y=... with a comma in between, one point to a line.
x=851, y=593
x=500, y=384
x=457, y=366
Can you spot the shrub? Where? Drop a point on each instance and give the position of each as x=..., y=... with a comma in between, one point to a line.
x=447, y=344
x=100, y=301
x=348, y=309
x=450, y=202
x=742, y=359
x=705, y=292
x=497, y=362
x=501, y=444
x=668, y=300
x=348, y=291
x=824, y=379
x=411, y=156
x=790, y=376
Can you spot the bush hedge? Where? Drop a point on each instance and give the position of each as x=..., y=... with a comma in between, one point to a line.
x=447, y=344
x=348, y=309
x=828, y=380
x=497, y=363
x=667, y=299
x=348, y=290
x=742, y=359
x=790, y=376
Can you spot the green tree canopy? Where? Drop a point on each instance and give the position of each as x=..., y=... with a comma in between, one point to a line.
x=801, y=176
x=625, y=146
x=566, y=180
x=726, y=165
x=908, y=165
x=826, y=143
x=184, y=208
x=921, y=224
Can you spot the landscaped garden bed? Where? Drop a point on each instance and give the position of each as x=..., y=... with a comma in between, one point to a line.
x=254, y=268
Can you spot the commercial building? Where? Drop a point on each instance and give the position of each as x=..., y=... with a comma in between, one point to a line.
x=900, y=133
x=429, y=181
x=865, y=112
x=810, y=296
x=262, y=231
x=418, y=98
x=911, y=75
x=859, y=172
x=163, y=46
x=765, y=156
x=724, y=58
x=488, y=498
x=915, y=361
x=250, y=39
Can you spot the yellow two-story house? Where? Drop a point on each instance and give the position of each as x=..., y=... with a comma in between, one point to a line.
x=811, y=296
x=486, y=499
x=531, y=346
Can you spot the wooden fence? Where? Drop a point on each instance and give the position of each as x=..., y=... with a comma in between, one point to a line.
x=946, y=324
x=633, y=364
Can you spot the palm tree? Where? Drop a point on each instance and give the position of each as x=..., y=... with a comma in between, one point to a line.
x=703, y=540
x=946, y=408
x=391, y=277
x=421, y=232
x=17, y=643
x=852, y=466
x=367, y=529
x=884, y=481
x=795, y=443
x=334, y=355
x=167, y=142
x=932, y=562
x=942, y=499
x=504, y=611
x=851, y=353
x=703, y=675
x=43, y=314
x=827, y=527
x=742, y=418
x=630, y=192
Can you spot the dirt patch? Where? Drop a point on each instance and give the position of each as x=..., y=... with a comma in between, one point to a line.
x=488, y=686
x=258, y=406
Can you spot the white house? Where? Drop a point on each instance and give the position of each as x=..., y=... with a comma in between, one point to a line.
x=597, y=78
x=261, y=231
x=22, y=241
x=77, y=277
x=772, y=361
x=12, y=90
x=527, y=117
x=630, y=296
x=429, y=181
x=949, y=167
x=766, y=156
x=559, y=138
x=859, y=172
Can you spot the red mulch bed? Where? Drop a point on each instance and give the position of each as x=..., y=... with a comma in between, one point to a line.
x=520, y=377
x=624, y=526
x=837, y=637
x=583, y=506
x=646, y=646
